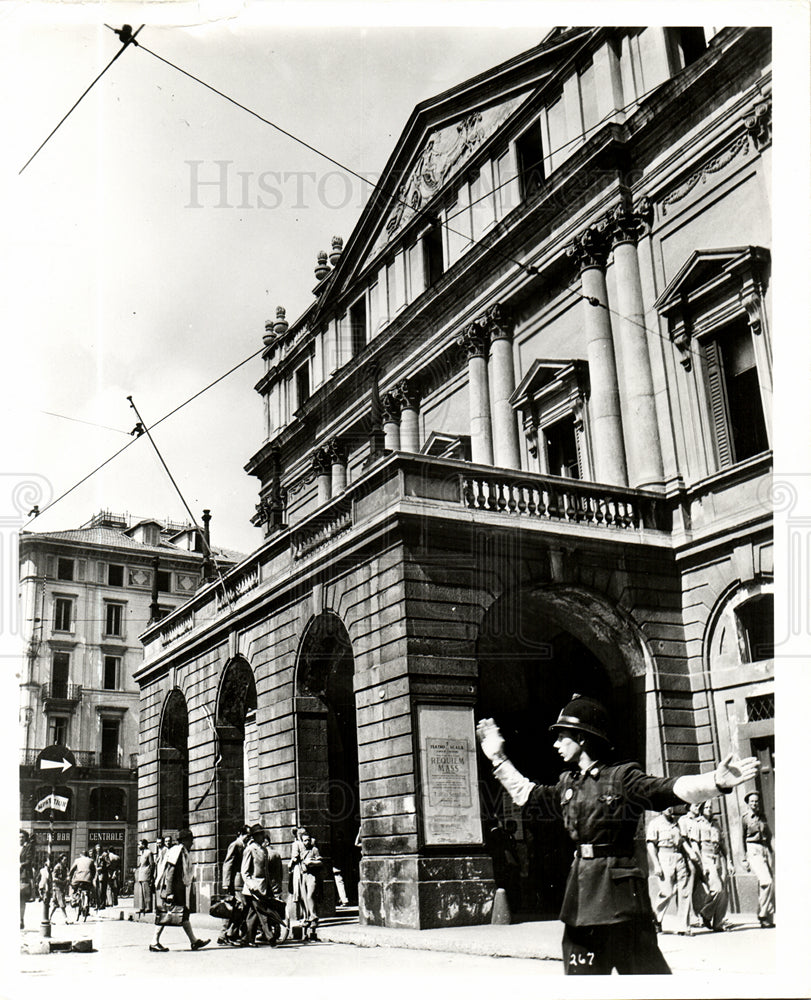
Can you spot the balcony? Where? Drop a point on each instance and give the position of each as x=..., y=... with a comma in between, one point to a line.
x=90, y=759
x=61, y=695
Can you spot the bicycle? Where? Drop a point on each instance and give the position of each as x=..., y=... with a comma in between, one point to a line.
x=81, y=900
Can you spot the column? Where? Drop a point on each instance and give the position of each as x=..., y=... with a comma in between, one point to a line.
x=502, y=383
x=475, y=342
x=323, y=474
x=626, y=225
x=337, y=456
x=408, y=393
x=590, y=252
x=390, y=415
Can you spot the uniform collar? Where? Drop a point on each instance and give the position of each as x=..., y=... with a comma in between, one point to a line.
x=592, y=771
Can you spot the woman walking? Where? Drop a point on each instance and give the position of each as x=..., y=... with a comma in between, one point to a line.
x=172, y=909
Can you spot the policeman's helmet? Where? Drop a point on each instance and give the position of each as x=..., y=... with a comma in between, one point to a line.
x=586, y=715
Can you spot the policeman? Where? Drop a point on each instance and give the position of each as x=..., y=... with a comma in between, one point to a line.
x=607, y=916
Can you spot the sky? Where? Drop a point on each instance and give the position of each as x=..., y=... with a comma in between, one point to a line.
x=160, y=227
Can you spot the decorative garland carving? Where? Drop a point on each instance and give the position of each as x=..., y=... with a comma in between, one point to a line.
x=718, y=162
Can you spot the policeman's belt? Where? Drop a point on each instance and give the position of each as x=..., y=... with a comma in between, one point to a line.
x=589, y=851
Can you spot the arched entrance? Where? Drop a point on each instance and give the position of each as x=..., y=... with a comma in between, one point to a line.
x=173, y=765
x=536, y=649
x=237, y=766
x=327, y=744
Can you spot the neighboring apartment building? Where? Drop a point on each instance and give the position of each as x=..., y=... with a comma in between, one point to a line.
x=86, y=596
x=518, y=447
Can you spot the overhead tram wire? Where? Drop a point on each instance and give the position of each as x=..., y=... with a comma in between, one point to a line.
x=134, y=439
x=128, y=39
x=527, y=268
x=200, y=533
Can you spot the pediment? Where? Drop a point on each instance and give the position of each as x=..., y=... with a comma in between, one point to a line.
x=548, y=377
x=704, y=269
x=443, y=152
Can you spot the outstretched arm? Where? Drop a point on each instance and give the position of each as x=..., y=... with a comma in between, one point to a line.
x=492, y=743
x=700, y=787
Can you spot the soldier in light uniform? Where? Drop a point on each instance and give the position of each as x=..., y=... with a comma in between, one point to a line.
x=715, y=867
x=606, y=909
x=672, y=861
x=759, y=856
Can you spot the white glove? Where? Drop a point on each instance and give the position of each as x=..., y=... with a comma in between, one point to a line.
x=491, y=740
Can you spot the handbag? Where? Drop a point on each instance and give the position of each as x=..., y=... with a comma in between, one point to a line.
x=173, y=916
x=223, y=908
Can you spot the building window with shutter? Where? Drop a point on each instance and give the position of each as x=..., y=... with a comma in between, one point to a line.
x=733, y=391
x=113, y=618
x=63, y=614
x=60, y=675
x=64, y=569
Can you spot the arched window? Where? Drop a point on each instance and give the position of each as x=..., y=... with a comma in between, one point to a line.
x=238, y=751
x=107, y=803
x=173, y=764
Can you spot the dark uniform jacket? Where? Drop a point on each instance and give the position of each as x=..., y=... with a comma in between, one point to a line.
x=231, y=867
x=601, y=809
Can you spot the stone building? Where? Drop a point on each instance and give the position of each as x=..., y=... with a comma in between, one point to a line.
x=518, y=446
x=86, y=596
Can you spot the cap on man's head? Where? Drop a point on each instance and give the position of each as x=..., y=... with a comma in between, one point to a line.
x=185, y=835
x=749, y=795
x=256, y=830
x=586, y=715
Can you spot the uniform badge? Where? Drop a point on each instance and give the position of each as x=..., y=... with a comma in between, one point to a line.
x=568, y=794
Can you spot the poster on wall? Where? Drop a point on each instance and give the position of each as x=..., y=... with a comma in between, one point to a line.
x=112, y=840
x=450, y=799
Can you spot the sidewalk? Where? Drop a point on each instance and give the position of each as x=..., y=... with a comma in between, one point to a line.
x=745, y=949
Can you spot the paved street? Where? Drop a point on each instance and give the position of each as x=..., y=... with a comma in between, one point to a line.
x=347, y=949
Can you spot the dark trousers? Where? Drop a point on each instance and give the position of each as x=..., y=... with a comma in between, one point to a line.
x=262, y=911
x=629, y=947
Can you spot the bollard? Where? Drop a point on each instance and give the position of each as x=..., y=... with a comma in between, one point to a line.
x=501, y=908
x=120, y=914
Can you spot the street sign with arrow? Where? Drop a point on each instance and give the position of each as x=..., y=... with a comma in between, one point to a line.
x=56, y=762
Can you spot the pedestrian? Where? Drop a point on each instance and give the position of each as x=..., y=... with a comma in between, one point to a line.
x=44, y=880
x=306, y=866
x=234, y=932
x=607, y=915
x=697, y=892
x=113, y=877
x=338, y=865
x=172, y=902
x=59, y=884
x=671, y=858
x=101, y=879
x=26, y=873
x=144, y=879
x=758, y=856
x=715, y=868
x=256, y=889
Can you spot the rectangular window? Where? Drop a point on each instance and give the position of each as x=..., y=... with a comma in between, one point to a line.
x=164, y=581
x=529, y=156
x=377, y=307
x=482, y=203
x=561, y=449
x=110, y=756
x=58, y=731
x=302, y=385
x=60, y=674
x=112, y=673
x=113, y=618
x=63, y=614
x=734, y=395
x=357, y=325
x=115, y=576
x=507, y=193
x=433, y=255
x=64, y=569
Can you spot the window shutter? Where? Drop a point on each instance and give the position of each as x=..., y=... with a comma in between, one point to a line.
x=718, y=405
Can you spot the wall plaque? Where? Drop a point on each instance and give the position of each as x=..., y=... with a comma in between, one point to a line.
x=450, y=797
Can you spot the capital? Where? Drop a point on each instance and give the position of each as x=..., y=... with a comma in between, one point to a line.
x=628, y=224
x=321, y=462
x=336, y=450
x=589, y=248
x=390, y=408
x=409, y=394
x=758, y=124
x=474, y=340
x=499, y=322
